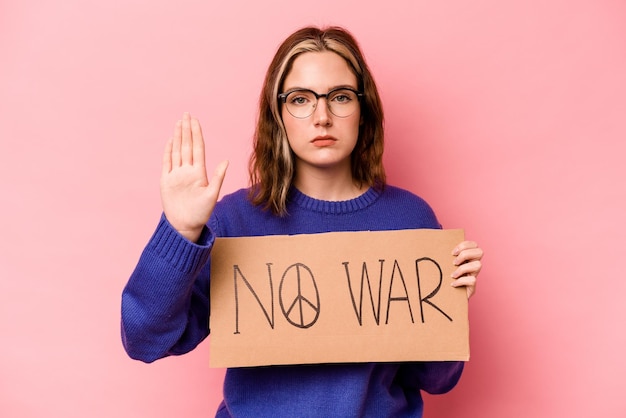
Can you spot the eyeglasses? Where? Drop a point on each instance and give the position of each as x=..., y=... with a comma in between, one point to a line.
x=301, y=103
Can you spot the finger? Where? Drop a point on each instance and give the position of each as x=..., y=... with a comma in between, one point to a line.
x=197, y=143
x=176, y=143
x=469, y=282
x=468, y=255
x=464, y=281
x=186, y=148
x=465, y=245
x=166, y=165
x=470, y=268
x=218, y=178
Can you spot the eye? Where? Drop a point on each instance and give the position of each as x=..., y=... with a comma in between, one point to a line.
x=299, y=98
x=342, y=97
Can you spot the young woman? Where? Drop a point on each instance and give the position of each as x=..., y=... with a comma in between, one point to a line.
x=316, y=167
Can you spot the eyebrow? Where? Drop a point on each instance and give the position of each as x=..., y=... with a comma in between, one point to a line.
x=340, y=86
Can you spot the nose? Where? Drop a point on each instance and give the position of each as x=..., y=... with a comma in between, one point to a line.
x=321, y=113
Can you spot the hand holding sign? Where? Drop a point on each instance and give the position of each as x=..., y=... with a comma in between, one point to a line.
x=187, y=196
x=468, y=255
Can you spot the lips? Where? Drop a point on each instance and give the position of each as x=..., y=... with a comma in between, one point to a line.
x=323, y=141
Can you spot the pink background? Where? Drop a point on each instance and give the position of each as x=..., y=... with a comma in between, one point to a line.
x=507, y=116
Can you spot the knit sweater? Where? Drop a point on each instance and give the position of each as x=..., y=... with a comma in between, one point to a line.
x=165, y=311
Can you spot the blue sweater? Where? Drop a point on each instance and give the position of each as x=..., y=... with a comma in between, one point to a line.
x=165, y=311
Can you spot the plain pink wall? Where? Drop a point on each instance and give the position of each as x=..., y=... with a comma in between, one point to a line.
x=507, y=116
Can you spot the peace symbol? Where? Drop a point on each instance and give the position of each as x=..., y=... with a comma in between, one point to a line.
x=302, y=308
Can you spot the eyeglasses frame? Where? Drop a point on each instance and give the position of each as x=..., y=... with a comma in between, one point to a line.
x=283, y=98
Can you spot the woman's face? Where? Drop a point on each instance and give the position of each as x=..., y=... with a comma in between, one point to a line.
x=322, y=141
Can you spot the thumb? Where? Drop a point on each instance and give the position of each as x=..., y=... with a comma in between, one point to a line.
x=216, y=181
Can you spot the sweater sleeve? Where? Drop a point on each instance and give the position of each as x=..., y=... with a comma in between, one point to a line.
x=165, y=304
x=433, y=377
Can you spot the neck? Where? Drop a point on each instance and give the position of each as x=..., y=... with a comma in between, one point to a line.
x=327, y=185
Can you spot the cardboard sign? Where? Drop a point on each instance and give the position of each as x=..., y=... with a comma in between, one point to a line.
x=337, y=297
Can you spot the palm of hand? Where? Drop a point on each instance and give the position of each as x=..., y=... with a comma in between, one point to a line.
x=187, y=196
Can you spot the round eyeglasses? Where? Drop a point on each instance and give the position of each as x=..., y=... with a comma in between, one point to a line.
x=301, y=103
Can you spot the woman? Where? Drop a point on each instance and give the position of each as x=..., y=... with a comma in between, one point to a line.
x=316, y=167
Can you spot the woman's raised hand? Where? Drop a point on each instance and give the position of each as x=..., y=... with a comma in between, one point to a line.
x=187, y=195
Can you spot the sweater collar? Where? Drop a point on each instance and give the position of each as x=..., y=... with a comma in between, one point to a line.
x=298, y=198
